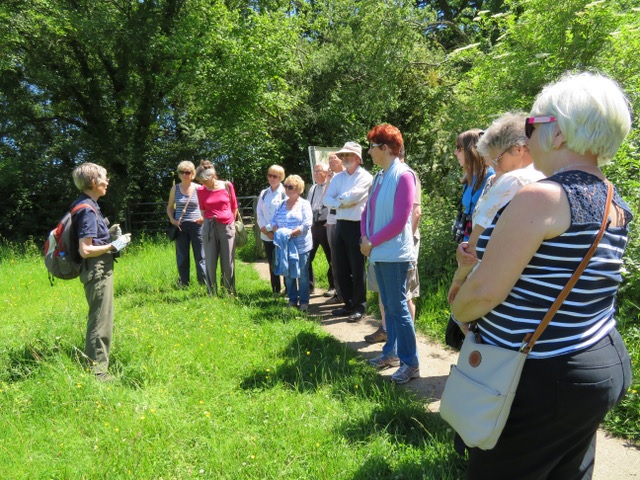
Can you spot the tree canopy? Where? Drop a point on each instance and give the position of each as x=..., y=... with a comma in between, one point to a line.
x=139, y=85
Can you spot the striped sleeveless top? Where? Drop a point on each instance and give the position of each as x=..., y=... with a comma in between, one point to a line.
x=193, y=209
x=587, y=314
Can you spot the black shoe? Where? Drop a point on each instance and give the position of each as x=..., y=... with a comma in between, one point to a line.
x=355, y=317
x=341, y=312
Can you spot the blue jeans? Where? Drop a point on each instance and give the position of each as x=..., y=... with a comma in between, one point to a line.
x=299, y=287
x=401, y=336
x=190, y=236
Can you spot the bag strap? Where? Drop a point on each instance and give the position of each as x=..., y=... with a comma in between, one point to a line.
x=80, y=206
x=184, y=210
x=531, y=339
x=237, y=212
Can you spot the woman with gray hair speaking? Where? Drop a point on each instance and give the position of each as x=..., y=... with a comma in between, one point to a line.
x=579, y=369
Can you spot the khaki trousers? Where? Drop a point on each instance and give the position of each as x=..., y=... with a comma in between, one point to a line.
x=97, y=278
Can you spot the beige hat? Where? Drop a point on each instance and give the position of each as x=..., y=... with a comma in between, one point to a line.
x=351, y=147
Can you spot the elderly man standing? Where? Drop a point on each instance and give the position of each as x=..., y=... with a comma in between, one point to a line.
x=347, y=195
x=318, y=228
x=335, y=167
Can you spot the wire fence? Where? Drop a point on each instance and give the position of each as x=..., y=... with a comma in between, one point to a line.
x=151, y=217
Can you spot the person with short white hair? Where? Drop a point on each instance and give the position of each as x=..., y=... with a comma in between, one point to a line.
x=335, y=167
x=268, y=202
x=579, y=369
x=347, y=195
x=318, y=228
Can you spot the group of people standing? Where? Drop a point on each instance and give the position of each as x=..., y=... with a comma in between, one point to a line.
x=352, y=216
x=532, y=223
x=533, y=219
x=204, y=216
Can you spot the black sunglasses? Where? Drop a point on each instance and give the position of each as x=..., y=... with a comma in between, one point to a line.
x=530, y=121
x=184, y=172
x=289, y=187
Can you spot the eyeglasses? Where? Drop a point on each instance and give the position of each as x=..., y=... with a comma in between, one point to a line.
x=272, y=175
x=374, y=145
x=289, y=187
x=185, y=172
x=496, y=160
x=459, y=149
x=530, y=121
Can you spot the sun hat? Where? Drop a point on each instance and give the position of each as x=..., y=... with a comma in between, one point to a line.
x=351, y=147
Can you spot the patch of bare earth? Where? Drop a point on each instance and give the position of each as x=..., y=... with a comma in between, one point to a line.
x=616, y=459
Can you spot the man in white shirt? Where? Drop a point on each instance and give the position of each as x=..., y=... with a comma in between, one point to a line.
x=335, y=167
x=347, y=195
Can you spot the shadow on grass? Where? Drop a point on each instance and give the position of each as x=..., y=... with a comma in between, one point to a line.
x=312, y=361
x=22, y=363
x=449, y=467
x=25, y=361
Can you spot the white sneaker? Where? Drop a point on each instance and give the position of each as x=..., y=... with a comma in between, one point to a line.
x=405, y=373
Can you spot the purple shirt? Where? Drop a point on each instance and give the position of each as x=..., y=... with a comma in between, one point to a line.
x=402, y=206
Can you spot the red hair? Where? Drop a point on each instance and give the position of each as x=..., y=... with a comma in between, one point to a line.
x=388, y=135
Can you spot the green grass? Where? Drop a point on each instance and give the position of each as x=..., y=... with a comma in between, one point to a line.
x=207, y=387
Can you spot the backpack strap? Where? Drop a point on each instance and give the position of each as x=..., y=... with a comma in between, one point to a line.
x=80, y=206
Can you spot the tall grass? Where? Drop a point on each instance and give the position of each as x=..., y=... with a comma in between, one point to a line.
x=218, y=388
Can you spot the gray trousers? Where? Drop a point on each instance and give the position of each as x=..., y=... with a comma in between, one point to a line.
x=219, y=241
x=97, y=278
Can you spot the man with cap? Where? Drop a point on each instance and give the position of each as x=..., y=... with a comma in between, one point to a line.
x=347, y=194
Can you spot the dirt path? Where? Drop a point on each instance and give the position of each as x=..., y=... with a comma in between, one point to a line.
x=615, y=459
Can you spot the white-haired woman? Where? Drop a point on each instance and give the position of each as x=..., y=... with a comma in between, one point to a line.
x=268, y=202
x=183, y=211
x=293, y=219
x=579, y=369
x=219, y=208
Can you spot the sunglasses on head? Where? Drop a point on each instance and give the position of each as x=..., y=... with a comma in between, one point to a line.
x=289, y=187
x=529, y=122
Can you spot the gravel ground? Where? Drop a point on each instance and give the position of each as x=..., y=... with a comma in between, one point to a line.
x=616, y=459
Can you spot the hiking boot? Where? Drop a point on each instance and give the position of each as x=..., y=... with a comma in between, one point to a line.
x=105, y=377
x=384, y=361
x=378, y=336
x=405, y=373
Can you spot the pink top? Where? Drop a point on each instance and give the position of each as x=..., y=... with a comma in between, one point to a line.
x=402, y=206
x=218, y=204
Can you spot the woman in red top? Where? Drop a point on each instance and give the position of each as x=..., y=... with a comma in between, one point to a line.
x=219, y=208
